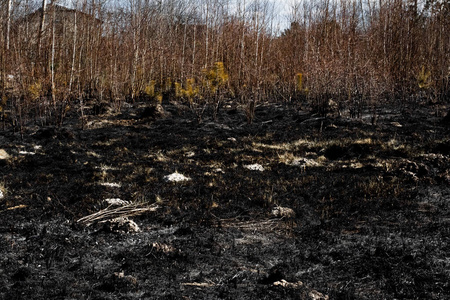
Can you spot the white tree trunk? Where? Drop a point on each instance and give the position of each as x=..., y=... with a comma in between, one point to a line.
x=52, y=62
x=74, y=49
x=42, y=25
x=8, y=22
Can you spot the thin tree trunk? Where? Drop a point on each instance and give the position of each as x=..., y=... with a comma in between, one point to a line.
x=194, y=50
x=207, y=34
x=183, y=50
x=52, y=62
x=242, y=44
x=74, y=50
x=8, y=22
x=135, y=25
x=41, y=27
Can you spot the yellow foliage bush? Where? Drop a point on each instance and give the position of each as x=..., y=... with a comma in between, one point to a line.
x=212, y=80
x=35, y=90
x=299, y=81
x=3, y=102
x=216, y=77
x=178, y=90
x=189, y=91
x=150, y=89
x=168, y=84
x=423, y=78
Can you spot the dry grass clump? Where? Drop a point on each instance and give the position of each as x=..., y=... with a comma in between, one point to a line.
x=114, y=212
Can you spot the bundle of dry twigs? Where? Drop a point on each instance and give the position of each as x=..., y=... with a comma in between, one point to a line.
x=113, y=212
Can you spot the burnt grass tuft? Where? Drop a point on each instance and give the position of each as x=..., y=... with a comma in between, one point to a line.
x=370, y=207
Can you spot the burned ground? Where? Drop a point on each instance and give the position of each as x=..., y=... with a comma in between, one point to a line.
x=293, y=206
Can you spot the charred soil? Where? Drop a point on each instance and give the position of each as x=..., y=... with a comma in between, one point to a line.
x=145, y=205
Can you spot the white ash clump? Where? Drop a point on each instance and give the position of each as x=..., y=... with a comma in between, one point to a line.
x=4, y=155
x=176, y=177
x=286, y=284
x=305, y=162
x=117, y=202
x=254, y=167
x=111, y=184
x=122, y=224
x=283, y=212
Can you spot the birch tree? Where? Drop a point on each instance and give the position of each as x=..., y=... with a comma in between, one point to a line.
x=8, y=22
x=41, y=26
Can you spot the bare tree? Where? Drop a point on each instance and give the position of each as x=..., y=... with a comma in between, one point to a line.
x=8, y=22
x=355, y=52
x=42, y=25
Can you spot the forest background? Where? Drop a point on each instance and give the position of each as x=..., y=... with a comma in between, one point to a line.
x=360, y=53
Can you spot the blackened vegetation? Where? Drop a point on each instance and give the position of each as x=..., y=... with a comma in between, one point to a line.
x=370, y=203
